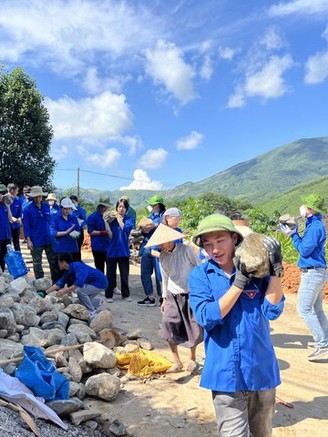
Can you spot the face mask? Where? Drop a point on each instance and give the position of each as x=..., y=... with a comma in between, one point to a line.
x=150, y=208
x=51, y=202
x=303, y=211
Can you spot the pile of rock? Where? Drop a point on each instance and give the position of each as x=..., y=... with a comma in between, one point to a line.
x=82, y=349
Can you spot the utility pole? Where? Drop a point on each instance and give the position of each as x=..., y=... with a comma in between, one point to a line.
x=78, y=182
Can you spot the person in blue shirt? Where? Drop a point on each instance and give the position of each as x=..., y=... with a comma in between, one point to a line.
x=25, y=198
x=52, y=201
x=150, y=263
x=81, y=215
x=234, y=309
x=87, y=281
x=5, y=231
x=99, y=232
x=131, y=212
x=36, y=221
x=65, y=230
x=16, y=212
x=118, y=251
x=312, y=262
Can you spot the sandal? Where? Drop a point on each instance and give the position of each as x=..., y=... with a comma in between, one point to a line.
x=192, y=366
x=175, y=368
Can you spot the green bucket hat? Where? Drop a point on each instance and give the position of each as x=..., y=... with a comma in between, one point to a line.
x=315, y=202
x=3, y=188
x=104, y=200
x=154, y=200
x=213, y=223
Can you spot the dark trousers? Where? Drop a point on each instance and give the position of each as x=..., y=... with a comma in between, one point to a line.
x=99, y=259
x=36, y=253
x=15, y=237
x=79, y=243
x=3, y=252
x=124, y=268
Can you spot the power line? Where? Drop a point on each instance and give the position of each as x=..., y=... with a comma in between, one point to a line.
x=103, y=174
x=97, y=173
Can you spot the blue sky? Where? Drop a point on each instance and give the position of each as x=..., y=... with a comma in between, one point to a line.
x=152, y=94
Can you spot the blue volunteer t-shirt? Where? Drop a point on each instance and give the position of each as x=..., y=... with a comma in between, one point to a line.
x=81, y=274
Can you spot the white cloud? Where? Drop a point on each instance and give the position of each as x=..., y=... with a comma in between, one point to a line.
x=226, y=53
x=153, y=158
x=70, y=35
x=95, y=84
x=299, y=7
x=141, y=181
x=206, y=68
x=267, y=82
x=192, y=141
x=59, y=151
x=133, y=143
x=166, y=66
x=272, y=39
x=316, y=68
x=104, y=116
x=107, y=159
x=325, y=33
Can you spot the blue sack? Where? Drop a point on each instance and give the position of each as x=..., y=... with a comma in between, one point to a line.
x=40, y=375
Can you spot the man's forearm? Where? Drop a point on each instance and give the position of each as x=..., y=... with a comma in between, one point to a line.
x=274, y=292
x=227, y=301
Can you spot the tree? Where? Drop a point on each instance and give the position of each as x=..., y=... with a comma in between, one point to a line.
x=25, y=132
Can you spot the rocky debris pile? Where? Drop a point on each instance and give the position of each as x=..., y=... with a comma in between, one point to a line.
x=82, y=349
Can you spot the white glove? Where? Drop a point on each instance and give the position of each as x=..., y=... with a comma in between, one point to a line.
x=285, y=229
x=74, y=234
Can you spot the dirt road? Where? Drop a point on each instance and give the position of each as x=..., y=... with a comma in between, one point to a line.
x=175, y=405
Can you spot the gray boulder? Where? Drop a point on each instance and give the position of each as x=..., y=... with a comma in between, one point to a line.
x=18, y=285
x=103, y=386
x=81, y=331
x=7, y=321
x=65, y=407
x=6, y=301
x=10, y=349
x=254, y=255
x=98, y=355
x=77, y=311
x=25, y=315
x=102, y=321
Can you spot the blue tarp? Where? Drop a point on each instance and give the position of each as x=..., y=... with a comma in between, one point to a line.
x=40, y=375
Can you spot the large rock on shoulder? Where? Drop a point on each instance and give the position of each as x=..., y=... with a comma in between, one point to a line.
x=254, y=255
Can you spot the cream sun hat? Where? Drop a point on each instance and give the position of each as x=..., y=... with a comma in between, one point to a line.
x=163, y=234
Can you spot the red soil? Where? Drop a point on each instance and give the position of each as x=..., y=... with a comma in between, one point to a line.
x=291, y=279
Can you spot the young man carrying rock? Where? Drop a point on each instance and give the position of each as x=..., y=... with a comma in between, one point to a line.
x=234, y=309
x=312, y=262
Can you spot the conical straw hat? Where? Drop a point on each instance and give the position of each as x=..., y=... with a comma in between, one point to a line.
x=164, y=234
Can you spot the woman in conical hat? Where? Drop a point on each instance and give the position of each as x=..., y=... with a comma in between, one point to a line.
x=178, y=324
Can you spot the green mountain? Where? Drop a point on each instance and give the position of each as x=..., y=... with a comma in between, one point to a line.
x=291, y=201
x=266, y=175
x=275, y=180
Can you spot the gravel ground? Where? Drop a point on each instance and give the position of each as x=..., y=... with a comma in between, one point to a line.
x=11, y=425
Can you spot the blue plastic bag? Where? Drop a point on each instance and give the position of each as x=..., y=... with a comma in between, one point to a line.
x=40, y=375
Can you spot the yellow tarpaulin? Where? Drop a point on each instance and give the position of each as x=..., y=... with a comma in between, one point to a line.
x=143, y=363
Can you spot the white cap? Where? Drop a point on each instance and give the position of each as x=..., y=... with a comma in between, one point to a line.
x=67, y=203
